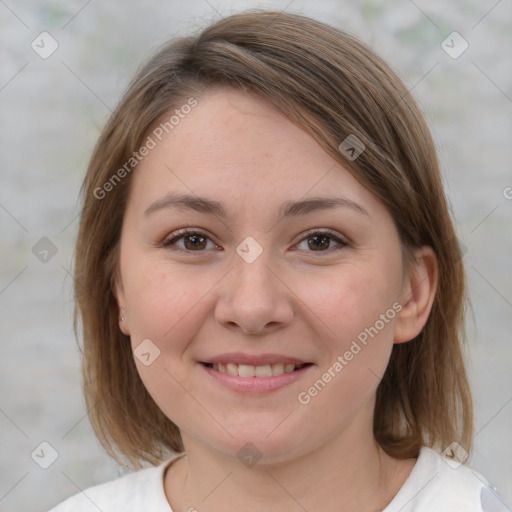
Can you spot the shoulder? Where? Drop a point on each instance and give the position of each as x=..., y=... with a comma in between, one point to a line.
x=139, y=490
x=437, y=483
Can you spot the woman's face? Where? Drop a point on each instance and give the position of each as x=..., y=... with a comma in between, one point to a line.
x=289, y=261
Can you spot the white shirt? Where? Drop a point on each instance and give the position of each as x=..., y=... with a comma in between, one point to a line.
x=432, y=486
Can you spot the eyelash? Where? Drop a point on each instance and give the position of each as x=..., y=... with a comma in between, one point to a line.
x=184, y=233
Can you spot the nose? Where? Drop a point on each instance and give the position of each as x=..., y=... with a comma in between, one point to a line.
x=254, y=298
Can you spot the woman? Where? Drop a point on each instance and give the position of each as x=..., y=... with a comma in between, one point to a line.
x=270, y=284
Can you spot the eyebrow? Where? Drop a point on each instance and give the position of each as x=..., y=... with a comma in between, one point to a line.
x=289, y=208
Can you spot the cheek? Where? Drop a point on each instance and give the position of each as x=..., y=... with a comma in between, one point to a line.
x=357, y=308
x=351, y=303
x=165, y=307
x=356, y=305
x=162, y=303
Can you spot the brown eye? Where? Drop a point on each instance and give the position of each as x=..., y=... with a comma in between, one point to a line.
x=193, y=241
x=321, y=241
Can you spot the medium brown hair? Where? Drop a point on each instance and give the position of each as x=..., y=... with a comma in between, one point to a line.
x=331, y=85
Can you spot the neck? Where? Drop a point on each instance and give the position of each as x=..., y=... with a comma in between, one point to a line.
x=349, y=473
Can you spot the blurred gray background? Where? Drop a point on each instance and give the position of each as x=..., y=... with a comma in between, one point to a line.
x=52, y=110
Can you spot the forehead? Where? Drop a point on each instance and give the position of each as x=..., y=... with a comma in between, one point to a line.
x=239, y=147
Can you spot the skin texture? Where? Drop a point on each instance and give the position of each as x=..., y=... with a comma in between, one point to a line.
x=292, y=300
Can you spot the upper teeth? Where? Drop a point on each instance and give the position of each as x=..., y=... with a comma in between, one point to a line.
x=246, y=370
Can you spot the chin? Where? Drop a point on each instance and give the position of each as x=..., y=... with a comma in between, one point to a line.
x=258, y=443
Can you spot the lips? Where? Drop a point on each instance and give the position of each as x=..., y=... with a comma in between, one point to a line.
x=255, y=374
x=249, y=370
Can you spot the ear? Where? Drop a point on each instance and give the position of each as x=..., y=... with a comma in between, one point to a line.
x=118, y=287
x=418, y=292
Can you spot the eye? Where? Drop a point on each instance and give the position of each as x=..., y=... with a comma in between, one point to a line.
x=194, y=241
x=320, y=241
x=197, y=241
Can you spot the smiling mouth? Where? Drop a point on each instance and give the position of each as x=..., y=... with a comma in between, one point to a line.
x=246, y=370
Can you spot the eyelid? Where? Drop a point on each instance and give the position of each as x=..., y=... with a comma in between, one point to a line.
x=325, y=231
